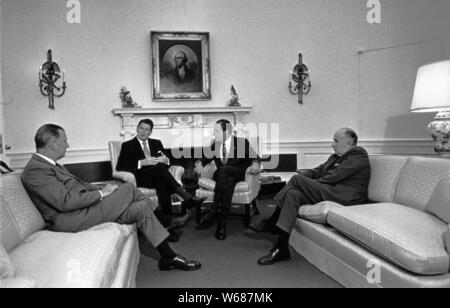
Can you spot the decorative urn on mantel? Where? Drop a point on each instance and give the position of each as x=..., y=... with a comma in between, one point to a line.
x=183, y=126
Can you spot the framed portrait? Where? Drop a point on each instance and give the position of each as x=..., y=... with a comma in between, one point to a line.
x=180, y=66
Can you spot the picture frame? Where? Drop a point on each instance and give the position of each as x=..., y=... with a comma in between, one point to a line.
x=180, y=66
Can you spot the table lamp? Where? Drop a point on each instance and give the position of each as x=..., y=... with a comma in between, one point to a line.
x=432, y=94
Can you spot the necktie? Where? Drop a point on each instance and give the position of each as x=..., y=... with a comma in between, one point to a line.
x=146, y=150
x=224, y=154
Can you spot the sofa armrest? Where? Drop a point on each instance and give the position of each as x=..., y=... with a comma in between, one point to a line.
x=127, y=177
x=208, y=171
x=317, y=213
x=447, y=239
x=18, y=283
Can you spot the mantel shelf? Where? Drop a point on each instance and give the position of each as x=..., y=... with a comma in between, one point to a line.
x=181, y=110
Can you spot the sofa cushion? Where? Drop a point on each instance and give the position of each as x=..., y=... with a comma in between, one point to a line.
x=409, y=238
x=19, y=217
x=447, y=239
x=18, y=283
x=418, y=181
x=385, y=171
x=439, y=203
x=6, y=269
x=70, y=260
x=317, y=213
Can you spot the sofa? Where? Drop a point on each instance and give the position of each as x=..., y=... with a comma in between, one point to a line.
x=106, y=256
x=401, y=239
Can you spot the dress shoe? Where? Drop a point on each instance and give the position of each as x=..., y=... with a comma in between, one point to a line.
x=173, y=236
x=264, y=226
x=275, y=256
x=179, y=263
x=207, y=222
x=221, y=233
x=194, y=202
x=182, y=221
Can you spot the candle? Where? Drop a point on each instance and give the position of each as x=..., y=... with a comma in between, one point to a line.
x=63, y=73
x=40, y=73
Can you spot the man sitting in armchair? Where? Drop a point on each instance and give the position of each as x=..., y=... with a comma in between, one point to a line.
x=344, y=179
x=232, y=156
x=145, y=158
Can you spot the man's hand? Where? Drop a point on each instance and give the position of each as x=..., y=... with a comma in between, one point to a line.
x=109, y=189
x=255, y=168
x=163, y=160
x=152, y=161
x=198, y=168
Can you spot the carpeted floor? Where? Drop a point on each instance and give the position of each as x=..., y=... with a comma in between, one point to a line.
x=231, y=263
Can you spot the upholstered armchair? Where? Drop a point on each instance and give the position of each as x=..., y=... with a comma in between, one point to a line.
x=128, y=177
x=245, y=193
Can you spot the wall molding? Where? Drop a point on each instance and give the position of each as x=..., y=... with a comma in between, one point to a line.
x=309, y=153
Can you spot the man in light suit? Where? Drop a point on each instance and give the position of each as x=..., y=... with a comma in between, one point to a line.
x=232, y=156
x=71, y=205
x=344, y=179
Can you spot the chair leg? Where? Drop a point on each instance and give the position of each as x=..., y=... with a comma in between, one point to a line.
x=255, y=207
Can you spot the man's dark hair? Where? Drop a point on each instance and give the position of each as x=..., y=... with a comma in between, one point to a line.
x=146, y=121
x=351, y=134
x=226, y=125
x=45, y=133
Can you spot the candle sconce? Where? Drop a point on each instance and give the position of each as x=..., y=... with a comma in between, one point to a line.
x=49, y=75
x=299, y=81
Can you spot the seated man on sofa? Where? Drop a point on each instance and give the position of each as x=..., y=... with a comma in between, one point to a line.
x=70, y=205
x=344, y=179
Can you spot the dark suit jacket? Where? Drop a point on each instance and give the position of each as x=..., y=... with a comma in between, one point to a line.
x=241, y=154
x=55, y=191
x=345, y=178
x=132, y=153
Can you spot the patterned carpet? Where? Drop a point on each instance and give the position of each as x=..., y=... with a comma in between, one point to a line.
x=230, y=264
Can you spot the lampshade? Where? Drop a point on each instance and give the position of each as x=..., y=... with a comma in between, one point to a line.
x=432, y=91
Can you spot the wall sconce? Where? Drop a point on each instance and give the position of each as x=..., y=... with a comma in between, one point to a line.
x=299, y=82
x=49, y=74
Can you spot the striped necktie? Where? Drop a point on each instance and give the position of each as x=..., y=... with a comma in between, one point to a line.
x=146, y=150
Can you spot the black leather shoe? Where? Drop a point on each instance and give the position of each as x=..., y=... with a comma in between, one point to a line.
x=275, y=256
x=221, y=233
x=264, y=226
x=194, y=202
x=179, y=263
x=208, y=221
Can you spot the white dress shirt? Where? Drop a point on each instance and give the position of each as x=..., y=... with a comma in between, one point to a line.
x=148, y=145
x=49, y=160
x=227, y=146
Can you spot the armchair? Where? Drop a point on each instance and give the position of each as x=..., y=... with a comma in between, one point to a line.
x=245, y=193
x=128, y=177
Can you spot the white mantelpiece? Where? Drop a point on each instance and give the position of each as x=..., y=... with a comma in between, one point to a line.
x=184, y=126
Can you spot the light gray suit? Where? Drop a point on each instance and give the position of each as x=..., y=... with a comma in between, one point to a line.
x=71, y=205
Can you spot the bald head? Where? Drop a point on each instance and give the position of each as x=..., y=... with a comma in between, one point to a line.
x=344, y=140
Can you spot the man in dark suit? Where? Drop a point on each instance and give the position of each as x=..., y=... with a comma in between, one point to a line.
x=232, y=156
x=68, y=204
x=146, y=159
x=344, y=179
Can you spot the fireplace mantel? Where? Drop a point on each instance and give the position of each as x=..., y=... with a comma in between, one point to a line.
x=186, y=126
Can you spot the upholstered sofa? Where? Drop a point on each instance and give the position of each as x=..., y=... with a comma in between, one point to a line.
x=105, y=256
x=400, y=239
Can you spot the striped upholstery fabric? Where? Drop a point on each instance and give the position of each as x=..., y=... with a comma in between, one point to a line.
x=385, y=172
x=418, y=180
x=19, y=217
x=6, y=269
x=410, y=238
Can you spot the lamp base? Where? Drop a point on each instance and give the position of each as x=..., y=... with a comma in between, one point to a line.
x=440, y=130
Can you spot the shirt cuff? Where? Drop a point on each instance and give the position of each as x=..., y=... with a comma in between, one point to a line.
x=101, y=195
x=139, y=165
